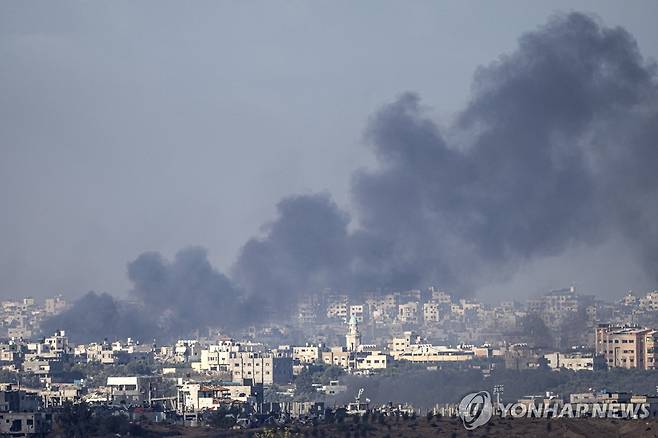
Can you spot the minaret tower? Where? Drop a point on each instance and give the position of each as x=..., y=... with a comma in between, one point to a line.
x=353, y=337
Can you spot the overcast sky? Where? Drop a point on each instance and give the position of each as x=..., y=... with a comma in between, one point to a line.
x=134, y=126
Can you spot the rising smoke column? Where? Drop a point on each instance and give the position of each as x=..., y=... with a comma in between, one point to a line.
x=305, y=250
x=168, y=299
x=95, y=317
x=184, y=294
x=558, y=146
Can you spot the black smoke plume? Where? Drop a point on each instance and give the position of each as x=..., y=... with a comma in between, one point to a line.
x=557, y=147
x=184, y=294
x=305, y=250
x=169, y=299
x=96, y=317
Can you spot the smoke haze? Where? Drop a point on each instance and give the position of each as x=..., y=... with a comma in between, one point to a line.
x=557, y=148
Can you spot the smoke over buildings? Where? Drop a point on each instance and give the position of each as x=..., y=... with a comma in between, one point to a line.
x=558, y=146
x=168, y=298
x=305, y=250
x=185, y=293
x=97, y=316
x=553, y=149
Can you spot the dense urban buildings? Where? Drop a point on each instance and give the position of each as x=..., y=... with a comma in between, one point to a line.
x=336, y=336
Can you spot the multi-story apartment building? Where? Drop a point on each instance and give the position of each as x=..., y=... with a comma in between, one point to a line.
x=630, y=299
x=457, y=310
x=382, y=309
x=102, y=353
x=358, y=311
x=431, y=312
x=439, y=296
x=627, y=346
x=337, y=356
x=21, y=414
x=557, y=305
x=470, y=305
x=306, y=354
x=408, y=312
x=307, y=311
x=58, y=343
x=55, y=305
x=649, y=302
x=337, y=307
x=263, y=368
x=400, y=344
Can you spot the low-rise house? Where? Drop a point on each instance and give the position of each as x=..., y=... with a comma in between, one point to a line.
x=371, y=360
x=571, y=361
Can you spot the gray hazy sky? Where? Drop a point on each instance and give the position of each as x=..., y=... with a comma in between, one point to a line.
x=134, y=126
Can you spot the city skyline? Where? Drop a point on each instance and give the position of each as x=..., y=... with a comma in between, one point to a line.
x=302, y=218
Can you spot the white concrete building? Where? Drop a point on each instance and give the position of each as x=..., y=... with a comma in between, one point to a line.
x=427, y=353
x=337, y=356
x=570, y=361
x=306, y=354
x=372, y=360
